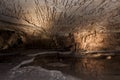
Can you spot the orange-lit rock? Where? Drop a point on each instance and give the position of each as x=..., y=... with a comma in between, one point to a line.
x=90, y=25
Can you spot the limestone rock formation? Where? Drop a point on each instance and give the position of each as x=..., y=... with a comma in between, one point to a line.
x=82, y=25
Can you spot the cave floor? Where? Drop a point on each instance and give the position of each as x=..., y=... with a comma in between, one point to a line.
x=81, y=68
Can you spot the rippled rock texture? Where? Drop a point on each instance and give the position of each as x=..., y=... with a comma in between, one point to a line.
x=77, y=25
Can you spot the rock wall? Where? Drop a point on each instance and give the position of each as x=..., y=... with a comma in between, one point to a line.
x=69, y=24
x=96, y=39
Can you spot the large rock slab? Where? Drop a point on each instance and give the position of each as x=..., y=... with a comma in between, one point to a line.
x=37, y=73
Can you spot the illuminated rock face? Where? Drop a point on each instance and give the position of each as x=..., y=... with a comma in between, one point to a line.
x=69, y=24
x=97, y=38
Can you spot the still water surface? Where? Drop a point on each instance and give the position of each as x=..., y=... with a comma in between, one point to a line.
x=82, y=68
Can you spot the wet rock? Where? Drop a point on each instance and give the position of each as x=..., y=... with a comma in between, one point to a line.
x=37, y=73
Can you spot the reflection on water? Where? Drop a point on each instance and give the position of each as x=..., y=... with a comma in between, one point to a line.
x=83, y=68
